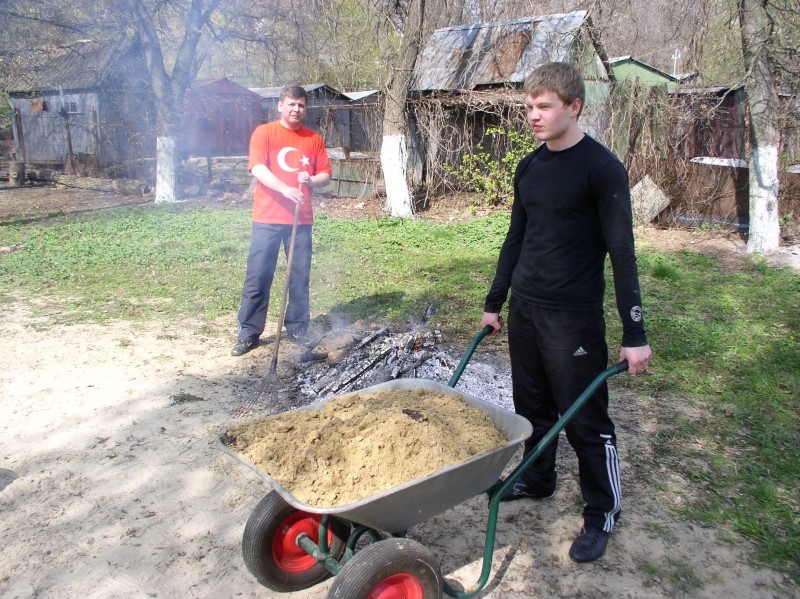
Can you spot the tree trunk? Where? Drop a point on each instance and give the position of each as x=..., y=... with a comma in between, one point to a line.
x=764, y=135
x=394, y=162
x=16, y=174
x=167, y=169
x=394, y=149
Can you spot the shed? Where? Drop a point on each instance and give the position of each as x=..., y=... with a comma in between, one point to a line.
x=218, y=118
x=366, y=119
x=84, y=106
x=356, y=168
x=706, y=169
x=715, y=121
x=628, y=68
x=640, y=91
x=322, y=115
x=713, y=135
x=468, y=80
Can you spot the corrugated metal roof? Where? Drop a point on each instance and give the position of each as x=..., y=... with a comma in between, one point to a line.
x=275, y=92
x=471, y=56
x=82, y=65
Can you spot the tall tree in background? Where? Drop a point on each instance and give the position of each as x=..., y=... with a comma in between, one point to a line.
x=394, y=147
x=764, y=134
x=281, y=42
x=152, y=24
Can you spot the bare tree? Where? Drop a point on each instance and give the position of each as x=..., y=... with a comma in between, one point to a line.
x=169, y=29
x=271, y=43
x=169, y=87
x=394, y=148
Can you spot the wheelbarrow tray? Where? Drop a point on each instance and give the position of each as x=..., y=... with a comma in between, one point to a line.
x=399, y=508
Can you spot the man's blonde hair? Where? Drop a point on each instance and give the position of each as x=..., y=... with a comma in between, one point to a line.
x=561, y=78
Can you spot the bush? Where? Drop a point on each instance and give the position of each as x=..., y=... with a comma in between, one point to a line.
x=484, y=174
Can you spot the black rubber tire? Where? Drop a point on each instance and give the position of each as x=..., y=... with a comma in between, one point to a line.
x=380, y=569
x=271, y=553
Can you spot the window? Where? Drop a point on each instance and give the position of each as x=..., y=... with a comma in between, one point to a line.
x=71, y=107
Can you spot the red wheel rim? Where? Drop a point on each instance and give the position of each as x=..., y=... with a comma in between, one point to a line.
x=398, y=586
x=288, y=555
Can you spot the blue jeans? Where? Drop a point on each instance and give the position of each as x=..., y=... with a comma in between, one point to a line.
x=261, y=262
x=555, y=355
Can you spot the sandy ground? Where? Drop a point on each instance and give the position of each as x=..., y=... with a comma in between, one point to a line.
x=112, y=484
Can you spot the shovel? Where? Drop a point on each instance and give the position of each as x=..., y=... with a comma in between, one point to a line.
x=270, y=381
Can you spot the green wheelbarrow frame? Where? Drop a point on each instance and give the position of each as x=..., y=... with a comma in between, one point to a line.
x=322, y=553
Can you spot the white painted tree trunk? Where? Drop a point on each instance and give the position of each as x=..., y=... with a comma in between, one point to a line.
x=758, y=38
x=765, y=232
x=394, y=149
x=394, y=163
x=166, y=169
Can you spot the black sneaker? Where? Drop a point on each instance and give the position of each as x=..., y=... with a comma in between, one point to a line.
x=522, y=490
x=243, y=346
x=299, y=338
x=588, y=545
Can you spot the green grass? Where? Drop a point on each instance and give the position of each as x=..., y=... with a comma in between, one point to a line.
x=131, y=263
x=732, y=341
x=170, y=262
x=726, y=342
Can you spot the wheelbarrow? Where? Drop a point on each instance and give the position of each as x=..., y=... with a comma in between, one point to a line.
x=288, y=545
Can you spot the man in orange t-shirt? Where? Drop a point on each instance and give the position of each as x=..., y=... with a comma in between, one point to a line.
x=288, y=161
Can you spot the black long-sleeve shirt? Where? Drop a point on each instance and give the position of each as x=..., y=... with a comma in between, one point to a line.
x=571, y=208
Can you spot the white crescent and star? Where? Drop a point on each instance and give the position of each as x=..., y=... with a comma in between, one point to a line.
x=282, y=159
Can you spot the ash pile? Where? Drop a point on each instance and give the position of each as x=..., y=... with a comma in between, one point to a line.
x=352, y=358
x=349, y=360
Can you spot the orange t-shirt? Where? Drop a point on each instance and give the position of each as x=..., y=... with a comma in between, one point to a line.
x=285, y=152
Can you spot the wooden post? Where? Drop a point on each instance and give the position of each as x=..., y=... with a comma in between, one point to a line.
x=20, y=134
x=16, y=168
x=95, y=131
x=70, y=164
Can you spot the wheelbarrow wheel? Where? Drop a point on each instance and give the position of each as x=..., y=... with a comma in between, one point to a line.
x=389, y=569
x=270, y=549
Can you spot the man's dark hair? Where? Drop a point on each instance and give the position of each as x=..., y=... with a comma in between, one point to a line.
x=296, y=92
x=562, y=78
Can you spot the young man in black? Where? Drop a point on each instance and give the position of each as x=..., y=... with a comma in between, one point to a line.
x=571, y=208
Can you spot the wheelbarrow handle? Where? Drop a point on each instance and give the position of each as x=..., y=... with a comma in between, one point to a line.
x=468, y=354
x=618, y=367
x=562, y=422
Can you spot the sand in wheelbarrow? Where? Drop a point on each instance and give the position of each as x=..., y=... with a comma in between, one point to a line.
x=362, y=444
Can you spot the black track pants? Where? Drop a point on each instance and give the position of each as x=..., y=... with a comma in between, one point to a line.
x=555, y=355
